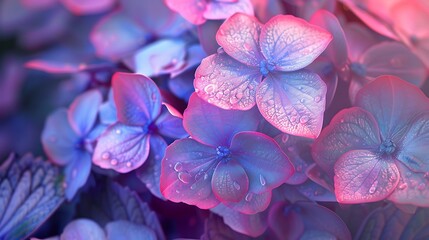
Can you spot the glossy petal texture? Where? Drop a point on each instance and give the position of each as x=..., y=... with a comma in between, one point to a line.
x=293, y=102
x=122, y=148
x=127, y=230
x=392, y=103
x=225, y=9
x=83, y=229
x=226, y=83
x=186, y=173
x=230, y=182
x=350, y=129
x=239, y=37
x=83, y=111
x=252, y=203
x=215, y=126
x=169, y=125
x=30, y=191
x=362, y=176
x=76, y=174
x=265, y=164
x=137, y=98
x=81, y=7
x=59, y=139
x=191, y=10
x=291, y=43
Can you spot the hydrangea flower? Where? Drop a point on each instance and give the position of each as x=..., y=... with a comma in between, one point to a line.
x=67, y=139
x=199, y=11
x=224, y=161
x=378, y=149
x=291, y=99
x=125, y=145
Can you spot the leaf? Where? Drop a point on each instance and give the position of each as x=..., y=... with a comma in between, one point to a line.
x=293, y=102
x=291, y=43
x=30, y=191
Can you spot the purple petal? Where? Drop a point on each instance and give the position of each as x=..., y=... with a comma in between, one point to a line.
x=316, y=192
x=153, y=60
x=182, y=85
x=80, y=7
x=137, y=98
x=191, y=10
x=76, y=174
x=279, y=218
x=207, y=36
x=214, y=126
x=350, y=129
x=293, y=102
x=226, y=83
x=186, y=173
x=239, y=37
x=170, y=126
x=392, y=102
x=252, y=203
x=229, y=182
x=83, y=229
x=362, y=176
x=122, y=148
x=122, y=229
x=264, y=162
x=194, y=55
x=107, y=111
x=116, y=36
x=327, y=72
x=83, y=111
x=359, y=39
x=225, y=9
x=291, y=43
x=252, y=225
x=58, y=138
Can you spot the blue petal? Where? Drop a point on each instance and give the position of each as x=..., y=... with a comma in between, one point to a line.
x=230, y=182
x=76, y=174
x=122, y=148
x=137, y=98
x=108, y=114
x=122, y=229
x=170, y=126
x=83, y=229
x=83, y=111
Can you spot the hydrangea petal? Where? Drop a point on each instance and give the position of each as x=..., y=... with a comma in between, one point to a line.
x=207, y=35
x=122, y=229
x=83, y=111
x=122, y=148
x=225, y=9
x=264, y=162
x=215, y=228
x=291, y=43
x=226, y=83
x=186, y=173
x=350, y=129
x=191, y=10
x=239, y=37
x=252, y=203
x=170, y=126
x=82, y=7
x=362, y=176
x=83, y=229
x=392, y=102
x=137, y=98
x=359, y=39
x=76, y=173
x=215, y=126
x=279, y=218
x=229, y=182
x=413, y=187
x=58, y=138
x=316, y=192
x=293, y=102
x=107, y=111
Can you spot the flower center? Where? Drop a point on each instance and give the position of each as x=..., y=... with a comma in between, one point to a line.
x=266, y=67
x=150, y=128
x=358, y=69
x=223, y=153
x=387, y=147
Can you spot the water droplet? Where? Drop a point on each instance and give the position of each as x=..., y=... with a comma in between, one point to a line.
x=426, y=175
x=219, y=95
x=220, y=50
x=114, y=162
x=317, y=193
x=236, y=186
x=341, y=120
x=209, y=88
x=184, y=177
x=129, y=164
x=302, y=100
x=373, y=187
x=177, y=191
x=178, y=167
x=118, y=131
x=248, y=197
x=262, y=180
x=421, y=186
x=304, y=119
x=105, y=156
x=193, y=186
x=206, y=176
x=270, y=102
x=247, y=46
x=413, y=183
x=285, y=138
x=317, y=99
x=402, y=186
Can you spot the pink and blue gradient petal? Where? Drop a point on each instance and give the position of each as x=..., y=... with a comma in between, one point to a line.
x=58, y=138
x=122, y=148
x=293, y=102
x=239, y=37
x=227, y=83
x=267, y=167
x=76, y=174
x=169, y=125
x=223, y=9
x=83, y=111
x=137, y=98
x=230, y=182
x=363, y=176
x=80, y=7
x=186, y=173
x=350, y=129
x=291, y=43
x=191, y=10
x=252, y=203
x=214, y=126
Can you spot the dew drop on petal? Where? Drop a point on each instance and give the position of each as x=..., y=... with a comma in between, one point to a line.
x=177, y=191
x=373, y=187
x=285, y=138
x=114, y=162
x=421, y=186
x=236, y=186
x=129, y=164
x=303, y=119
x=262, y=180
x=206, y=176
x=302, y=100
x=178, y=167
x=317, y=99
x=118, y=131
x=105, y=155
x=248, y=197
x=402, y=186
x=184, y=177
x=209, y=88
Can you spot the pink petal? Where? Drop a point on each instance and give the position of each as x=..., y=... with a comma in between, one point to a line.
x=362, y=176
x=121, y=148
x=186, y=173
x=191, y=10
x=225, y=9
x=239, y=37
x=137, y=98
x=82, y=7
x=359, y=39
x=350, y=129
x=226, y=83
x=252, y=203
x=265, y=164
x=83, y=111
x=293, y=102
x=291, y=43
x=215, y=126
x=229, y=182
